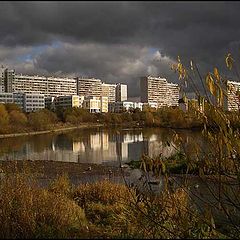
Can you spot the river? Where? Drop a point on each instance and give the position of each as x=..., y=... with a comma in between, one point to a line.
x=97, y=145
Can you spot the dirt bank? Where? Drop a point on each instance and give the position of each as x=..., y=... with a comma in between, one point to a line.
x=46, y=171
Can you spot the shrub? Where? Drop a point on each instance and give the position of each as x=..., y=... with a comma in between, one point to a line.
x=4, y=117
x=30, y=212
x=17, y=118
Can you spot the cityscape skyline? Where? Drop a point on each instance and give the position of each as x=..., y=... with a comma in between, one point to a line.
x=29, y=92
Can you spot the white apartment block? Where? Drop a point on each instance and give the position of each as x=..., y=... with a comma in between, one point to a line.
x=118, y=107
x=89, y=87
x=96, y=104
x=109, y=90
x=232, y=101
x=158, y=90
x=121, y=92
x=49, y=86
x=29, y=102
x=33, y=102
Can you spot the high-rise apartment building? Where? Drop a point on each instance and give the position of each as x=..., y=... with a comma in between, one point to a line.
x=232, y=101
x=172, y=94
x=2, y=86
x=49, y=86
x=158, y=90
x=109, y=90
x=121, y=92
x=8, y=79
x=89, y=87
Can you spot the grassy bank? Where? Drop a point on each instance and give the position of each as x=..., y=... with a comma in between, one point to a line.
x=97, y=210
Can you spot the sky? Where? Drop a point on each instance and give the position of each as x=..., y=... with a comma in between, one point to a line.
x=117, y=41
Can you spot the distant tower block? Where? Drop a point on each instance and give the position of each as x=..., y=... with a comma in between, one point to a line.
x=121, y=92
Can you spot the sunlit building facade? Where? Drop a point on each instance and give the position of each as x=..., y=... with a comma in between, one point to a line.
x=232, y=101
x=158, y=90
x=69, y=101
x=89, y=87
x=118, y=107
x=109, y=90
x=95, y=104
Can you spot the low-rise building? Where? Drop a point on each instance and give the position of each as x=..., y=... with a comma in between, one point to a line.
x=18, y=98
x=69, y=101
x=124, y=106
x=92, y=104
x=28, y=102
x=33, y=102
x=6, y=97
x=50, y=103
x=96, y=104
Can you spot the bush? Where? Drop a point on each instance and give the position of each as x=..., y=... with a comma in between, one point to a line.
x=30, y=212
x=17, y=118
x=42, y=119
x=4, y=117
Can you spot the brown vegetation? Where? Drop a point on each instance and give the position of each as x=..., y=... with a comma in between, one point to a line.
x=98, y=210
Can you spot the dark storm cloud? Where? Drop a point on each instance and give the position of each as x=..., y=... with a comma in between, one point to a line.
x=117, y=41
x=111, y=63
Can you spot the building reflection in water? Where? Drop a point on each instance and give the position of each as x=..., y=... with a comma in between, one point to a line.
x=101, y=146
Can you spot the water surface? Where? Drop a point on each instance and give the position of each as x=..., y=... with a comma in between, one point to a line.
x=96, y=145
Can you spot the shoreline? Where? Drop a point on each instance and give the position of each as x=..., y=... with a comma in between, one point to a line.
x=87, y=125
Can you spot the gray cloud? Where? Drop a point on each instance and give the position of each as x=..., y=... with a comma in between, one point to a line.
x=111, y=63
x=117, y=41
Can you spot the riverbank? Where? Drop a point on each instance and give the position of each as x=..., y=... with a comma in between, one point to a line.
x=102, y=208
x=46, y=171
x=62, y=129
x=88, y=125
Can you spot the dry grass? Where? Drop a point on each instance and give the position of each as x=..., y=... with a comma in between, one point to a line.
x=29, y=212
x=101, y=209
x=104, y=192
